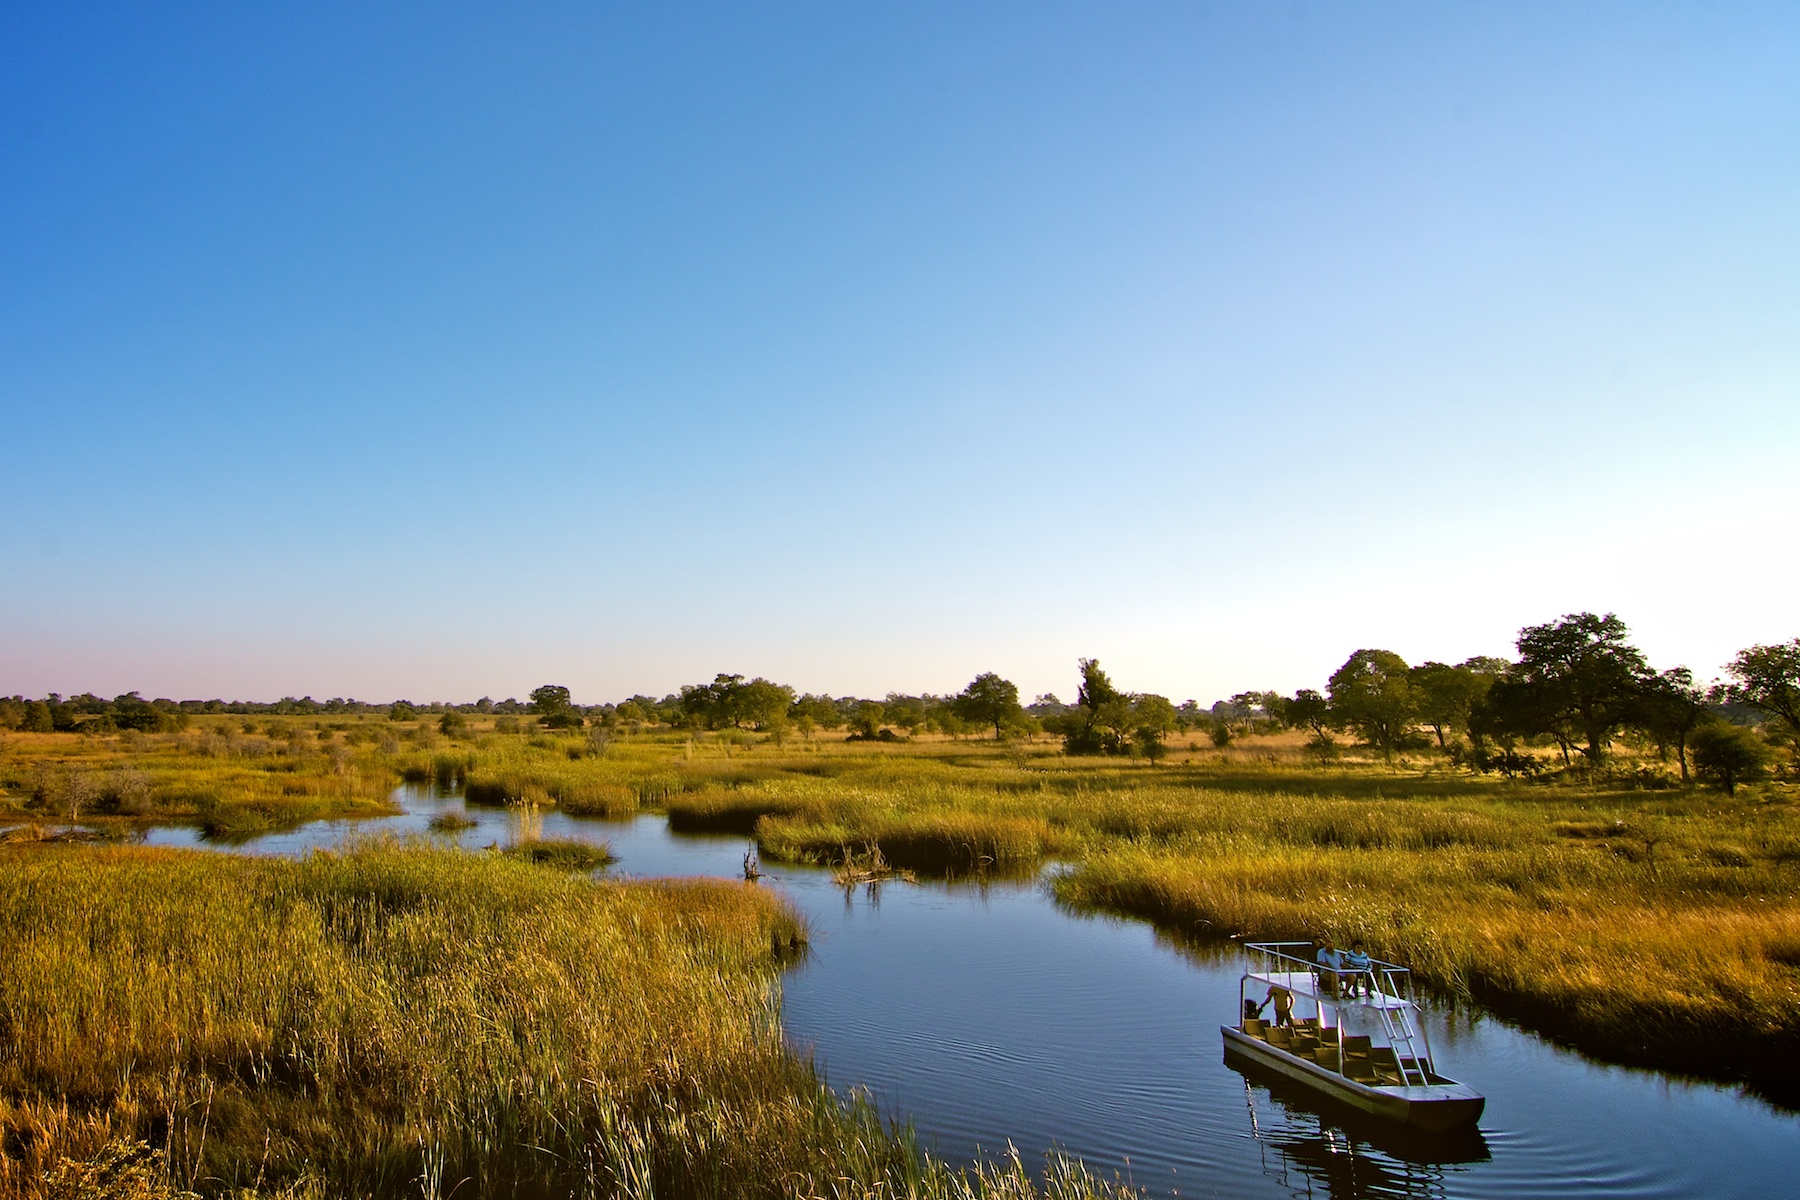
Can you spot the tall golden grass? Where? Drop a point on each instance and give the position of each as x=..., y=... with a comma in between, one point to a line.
x=398, y=1020
x=214, y=775
x=1641, y=920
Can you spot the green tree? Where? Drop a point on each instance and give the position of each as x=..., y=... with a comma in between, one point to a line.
x=400, y=710
x=1152, y=718
x=1728, y=754
x=1577, y=679
x=453, y=724
x=713, y=705
x=549, y=700
x=1372, y=693
x=910, y=713
x=870, y=715
x=1768, y=678
x=820, y=711
x=1102, y=722
x=1445, y=695
x=1307, y=709
x=1670, y=707
x=551, y=703
x=764, y=705
x=38, y=718
x=990, y=700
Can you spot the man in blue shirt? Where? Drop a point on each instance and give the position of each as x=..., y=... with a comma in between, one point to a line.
x=1331, y=961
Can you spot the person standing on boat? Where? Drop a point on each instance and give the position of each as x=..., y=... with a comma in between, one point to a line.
x=1283, y=1000
x=1356, y=959
x=1331, y=964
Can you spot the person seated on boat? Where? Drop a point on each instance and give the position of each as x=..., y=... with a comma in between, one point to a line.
x=1283, y=1000
x=1356, y=959
x=1331, y=964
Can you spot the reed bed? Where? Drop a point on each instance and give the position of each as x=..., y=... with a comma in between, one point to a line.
x=1641, y=920
x=215, y=776
x=434, y=1023
x=565, y=853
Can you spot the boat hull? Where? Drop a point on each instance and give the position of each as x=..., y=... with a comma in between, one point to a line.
x=1433, y=1108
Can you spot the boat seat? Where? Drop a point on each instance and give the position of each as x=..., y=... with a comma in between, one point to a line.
x=1359, y=1069
x=1280, y=1035
x=1253, y=1027
x=1384, y=1057
x=1329, y=1035
x=1327, y=1057
x=1357, y=1045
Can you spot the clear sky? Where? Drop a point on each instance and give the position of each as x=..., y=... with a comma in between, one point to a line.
x=443, y=350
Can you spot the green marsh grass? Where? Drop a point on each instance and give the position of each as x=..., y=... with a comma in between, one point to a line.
x=1640, y=920
x=567, y=854
x=401, y=1021
x=212, y=775
x=1653, y=924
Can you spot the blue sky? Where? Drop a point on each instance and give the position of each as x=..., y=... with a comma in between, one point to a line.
x=442, y=350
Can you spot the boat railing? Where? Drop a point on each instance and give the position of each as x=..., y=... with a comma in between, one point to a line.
x=1383, y=986
x=1295, y=959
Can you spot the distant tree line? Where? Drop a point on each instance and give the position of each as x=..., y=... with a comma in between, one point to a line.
x=94, y=714
x=1576, y=686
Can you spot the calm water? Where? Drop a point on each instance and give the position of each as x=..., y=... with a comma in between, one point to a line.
x=986, y=1015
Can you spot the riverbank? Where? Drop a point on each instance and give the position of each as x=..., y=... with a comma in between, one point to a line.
x=397, y=1020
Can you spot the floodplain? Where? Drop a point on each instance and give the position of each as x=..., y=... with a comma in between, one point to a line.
x=1640, y=920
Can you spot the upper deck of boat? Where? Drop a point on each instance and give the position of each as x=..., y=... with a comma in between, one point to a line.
x=1306, y=984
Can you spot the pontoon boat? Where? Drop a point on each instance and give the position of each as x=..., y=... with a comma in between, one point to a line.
x=1352, y=1036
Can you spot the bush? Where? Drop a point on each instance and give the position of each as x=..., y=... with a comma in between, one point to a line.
x=1728, y=754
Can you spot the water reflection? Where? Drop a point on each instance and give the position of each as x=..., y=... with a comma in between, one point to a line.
x=1314, y=1148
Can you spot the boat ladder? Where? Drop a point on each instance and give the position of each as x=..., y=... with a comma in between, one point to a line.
x=1397, y=1021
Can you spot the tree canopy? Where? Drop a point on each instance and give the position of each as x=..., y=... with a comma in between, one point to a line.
x=990, y=700
x=1372, y=693
x=1577, y=679
x=1101, y=722
x=1768, y=678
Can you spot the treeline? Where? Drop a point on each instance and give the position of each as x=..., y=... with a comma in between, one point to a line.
x=94, y=714
x=1577, y=685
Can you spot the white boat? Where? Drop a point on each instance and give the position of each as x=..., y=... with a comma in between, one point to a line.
x=1353, y=1037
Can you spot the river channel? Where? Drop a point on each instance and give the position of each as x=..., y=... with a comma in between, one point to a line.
x=988, y=1015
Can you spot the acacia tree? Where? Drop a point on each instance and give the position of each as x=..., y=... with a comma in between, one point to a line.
x=1670, y=707
x=989, y=700
x=1309, y=710
x=1372, y=693
x=1578, y=678
x=1445, y=695
x=1768, y=678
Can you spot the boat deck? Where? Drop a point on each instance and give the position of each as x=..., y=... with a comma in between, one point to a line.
x=1437, y=1105
x=1352, y=1057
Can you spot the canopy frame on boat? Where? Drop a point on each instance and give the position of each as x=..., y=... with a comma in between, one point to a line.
x=1383, y=988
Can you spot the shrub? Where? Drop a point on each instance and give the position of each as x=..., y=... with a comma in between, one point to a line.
x=1728, y=754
